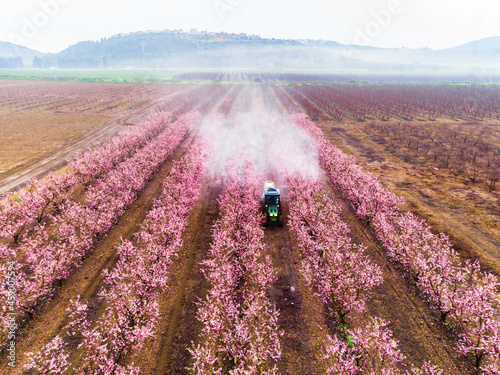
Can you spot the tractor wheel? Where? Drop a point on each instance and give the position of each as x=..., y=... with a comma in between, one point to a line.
x=280, y=221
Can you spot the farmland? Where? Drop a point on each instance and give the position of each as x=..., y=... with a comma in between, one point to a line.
x=145, y=252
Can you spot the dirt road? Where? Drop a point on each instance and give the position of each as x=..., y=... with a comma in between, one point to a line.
x=58, y=159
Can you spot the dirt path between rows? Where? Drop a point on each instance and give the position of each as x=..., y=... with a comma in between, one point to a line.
x=58, y=159
x=166, y=352
x=432, y=195
x=52, y=318
x=422, y=337
x=300, y=313
x=301, y=317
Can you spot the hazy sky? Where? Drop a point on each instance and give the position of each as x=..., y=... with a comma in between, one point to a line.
x=52, y=25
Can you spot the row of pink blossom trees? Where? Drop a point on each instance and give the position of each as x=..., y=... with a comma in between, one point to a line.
x=132, y=289
x=49, y=256
x=38, y=199
x=343, y=277
x=23, y=210
x=95, y=163
x=465, y=296
x=338, y=269
x=240, y=326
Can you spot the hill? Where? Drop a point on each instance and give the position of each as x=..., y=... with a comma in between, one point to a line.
x=178, y=49
x=10, y=52
x=482, y=53
x=486, y=45
x=173, y=49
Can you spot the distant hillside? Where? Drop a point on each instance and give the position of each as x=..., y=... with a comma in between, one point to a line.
x=486, y=45
x=483, y=53
x=12, y=51
x=167, y=49
x=178, y=49
x=151, y=45
x=174, y=49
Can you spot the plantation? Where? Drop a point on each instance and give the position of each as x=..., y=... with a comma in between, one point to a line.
x=146, y=252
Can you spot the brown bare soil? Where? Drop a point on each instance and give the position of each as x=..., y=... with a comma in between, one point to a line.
x=33, y=143
x=27, y=137
x=301, y=314
x=466, y=212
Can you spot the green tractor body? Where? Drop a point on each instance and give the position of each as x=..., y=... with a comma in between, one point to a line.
x=272, y=204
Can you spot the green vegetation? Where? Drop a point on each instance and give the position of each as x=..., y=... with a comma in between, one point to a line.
x=91, y=75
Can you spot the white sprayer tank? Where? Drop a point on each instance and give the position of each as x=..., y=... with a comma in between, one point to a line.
x=269, y=185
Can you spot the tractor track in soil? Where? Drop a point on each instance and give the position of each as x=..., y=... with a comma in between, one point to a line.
x=300, y=312
x=301, y=316
x=52, y=318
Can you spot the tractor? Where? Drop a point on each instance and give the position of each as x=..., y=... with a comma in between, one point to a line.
x=271, y=205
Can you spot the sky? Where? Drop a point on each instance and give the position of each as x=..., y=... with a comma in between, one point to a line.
x=53, y=25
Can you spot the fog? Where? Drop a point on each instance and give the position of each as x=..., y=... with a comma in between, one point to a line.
x=272, y=143
x=329, y=56
x=158, y=50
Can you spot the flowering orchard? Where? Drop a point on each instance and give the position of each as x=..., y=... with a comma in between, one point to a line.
x=57, y=246
x=343, y=277
x=132, y=288
x=240, y=333
x=193, y=283
x=464, y=295
x=45, y=197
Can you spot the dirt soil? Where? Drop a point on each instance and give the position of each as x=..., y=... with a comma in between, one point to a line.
x=302, y=318
x=28, y=137
x=34, y=143
x=466, y=212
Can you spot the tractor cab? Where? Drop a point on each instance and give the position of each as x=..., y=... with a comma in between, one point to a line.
x=271, y=204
